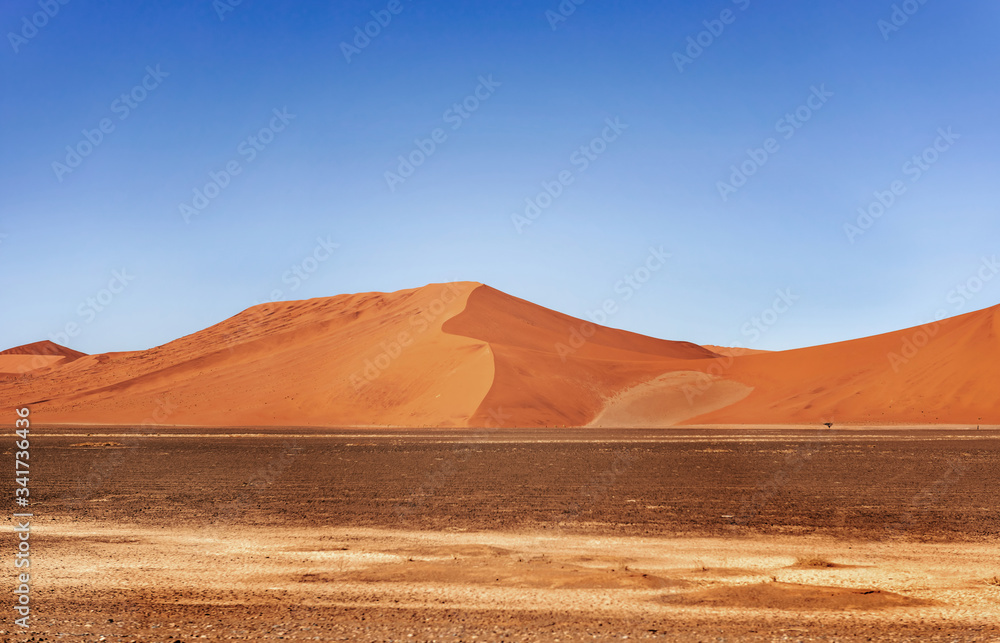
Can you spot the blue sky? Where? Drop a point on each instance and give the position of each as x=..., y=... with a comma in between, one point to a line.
x=215, y=73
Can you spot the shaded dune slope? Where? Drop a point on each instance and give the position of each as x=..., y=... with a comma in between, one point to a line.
x=555, y=370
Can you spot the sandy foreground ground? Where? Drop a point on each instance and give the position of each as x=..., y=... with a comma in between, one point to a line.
x=251, y=583
x=686, y=535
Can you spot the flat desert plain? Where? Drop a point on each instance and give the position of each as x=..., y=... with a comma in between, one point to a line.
x=681, y=534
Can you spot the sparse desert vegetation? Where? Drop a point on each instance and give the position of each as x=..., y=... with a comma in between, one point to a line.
x=813, y=560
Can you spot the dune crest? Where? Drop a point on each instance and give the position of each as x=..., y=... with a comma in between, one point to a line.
x=365, y=359
x=945, y=372
x=556, y=370
x=466, y=355
x=32, y=357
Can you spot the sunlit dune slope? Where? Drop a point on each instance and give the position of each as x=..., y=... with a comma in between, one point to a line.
x=947, y=372
x=331, y=361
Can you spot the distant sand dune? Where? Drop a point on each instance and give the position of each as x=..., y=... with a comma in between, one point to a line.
x=11, y=364
x=43, y=348
x=943, y=373
x=321, y=362
x=32, y=357
x=734, y=351
x=465, y=354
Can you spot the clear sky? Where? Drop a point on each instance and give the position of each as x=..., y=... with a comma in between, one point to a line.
x=115, y=113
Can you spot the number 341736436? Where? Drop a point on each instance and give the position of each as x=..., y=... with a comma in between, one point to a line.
x=22, y=427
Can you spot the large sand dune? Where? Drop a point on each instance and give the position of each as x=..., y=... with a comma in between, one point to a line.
x=332, y=361
x=464, y=354
x=947, y=372
x=555, y=370
x=32, y=357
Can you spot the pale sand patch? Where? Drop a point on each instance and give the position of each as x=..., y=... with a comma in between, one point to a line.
x=669, y=399
x=734, y=351
x=796, y=596
x=17, y=364
x=566, y=574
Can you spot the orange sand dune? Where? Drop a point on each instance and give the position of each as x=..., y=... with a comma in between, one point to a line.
x=464, y=354
x=555, y=370
x=321, y=362
x=734, y=351
x=30, y=357
x=947, y=372
x=43, y=348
